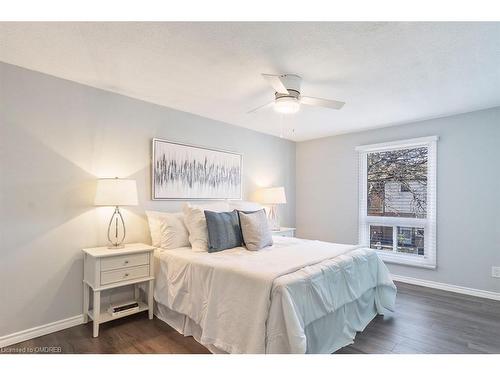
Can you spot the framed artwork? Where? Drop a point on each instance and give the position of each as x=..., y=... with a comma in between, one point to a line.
x=187, y=172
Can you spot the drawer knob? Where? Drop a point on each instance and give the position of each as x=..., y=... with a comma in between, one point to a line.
x=126, y=275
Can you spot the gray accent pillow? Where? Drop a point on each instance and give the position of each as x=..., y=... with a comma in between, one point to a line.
x=239, y=221
x=255, y=229
x=224, y=230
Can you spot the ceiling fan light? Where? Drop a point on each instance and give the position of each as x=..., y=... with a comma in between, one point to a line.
x=286, y=105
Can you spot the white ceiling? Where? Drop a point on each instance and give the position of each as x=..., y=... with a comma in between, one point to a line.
x=387, y=73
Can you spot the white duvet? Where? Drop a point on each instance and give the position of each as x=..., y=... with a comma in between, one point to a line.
x=258, y=302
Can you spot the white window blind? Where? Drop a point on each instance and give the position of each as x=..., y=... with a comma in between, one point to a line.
x=397, y=200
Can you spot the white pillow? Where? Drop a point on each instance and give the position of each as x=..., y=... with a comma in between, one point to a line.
x=154, y=227
x=245, y=206
x=194, y=218
x=168, y=230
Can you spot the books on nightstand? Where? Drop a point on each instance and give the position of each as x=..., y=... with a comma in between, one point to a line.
x=121, y=308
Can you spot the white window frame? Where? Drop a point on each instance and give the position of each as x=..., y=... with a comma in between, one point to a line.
x=429, y=223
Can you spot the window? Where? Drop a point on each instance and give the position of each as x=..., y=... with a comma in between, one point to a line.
x=405, y=188
x=397, y=202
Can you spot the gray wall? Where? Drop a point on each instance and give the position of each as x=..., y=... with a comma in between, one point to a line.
x=56, y=138
x=468, y=193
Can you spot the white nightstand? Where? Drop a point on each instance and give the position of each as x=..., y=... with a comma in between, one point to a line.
x=284, y=232
x=110, y=268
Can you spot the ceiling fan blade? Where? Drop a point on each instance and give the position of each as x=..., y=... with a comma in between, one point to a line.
x=276, y=83
x=261, y=107
x=318, y=102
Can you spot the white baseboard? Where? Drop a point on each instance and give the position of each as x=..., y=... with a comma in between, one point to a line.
x=45, y=329
x=448, y=287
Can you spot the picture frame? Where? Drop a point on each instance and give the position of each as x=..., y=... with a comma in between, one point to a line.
x=181, y=171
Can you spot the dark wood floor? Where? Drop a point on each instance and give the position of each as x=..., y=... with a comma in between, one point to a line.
x=426, y=321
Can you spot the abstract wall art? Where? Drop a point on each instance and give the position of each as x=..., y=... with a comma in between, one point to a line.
x=185, y=172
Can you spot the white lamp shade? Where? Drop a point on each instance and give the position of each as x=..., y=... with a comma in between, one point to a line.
x=274, y=195
x=116, y=192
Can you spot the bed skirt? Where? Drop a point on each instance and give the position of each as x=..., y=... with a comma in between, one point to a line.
x=325, y=335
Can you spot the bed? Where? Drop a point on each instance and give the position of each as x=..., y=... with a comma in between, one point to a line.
x=297, y=296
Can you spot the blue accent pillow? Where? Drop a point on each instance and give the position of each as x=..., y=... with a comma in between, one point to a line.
x=224, y=230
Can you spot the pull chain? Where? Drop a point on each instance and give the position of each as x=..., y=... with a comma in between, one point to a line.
x=281, y=125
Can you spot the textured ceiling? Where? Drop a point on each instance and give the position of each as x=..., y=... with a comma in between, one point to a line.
x=387, y=73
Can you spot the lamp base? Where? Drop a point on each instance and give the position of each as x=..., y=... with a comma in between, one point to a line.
x=273, y=218
x=116, y=247
x=116, y=236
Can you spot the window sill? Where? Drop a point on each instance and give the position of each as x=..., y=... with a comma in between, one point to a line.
x=412, y=261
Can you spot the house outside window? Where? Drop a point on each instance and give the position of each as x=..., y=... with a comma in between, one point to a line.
x=397, y=200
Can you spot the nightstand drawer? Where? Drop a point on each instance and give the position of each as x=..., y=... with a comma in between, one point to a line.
x=284, y=232
x=116, y=276
x=113, y=263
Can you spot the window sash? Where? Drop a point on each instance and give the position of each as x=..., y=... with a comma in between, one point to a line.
x=428, y=260
x=394, y=238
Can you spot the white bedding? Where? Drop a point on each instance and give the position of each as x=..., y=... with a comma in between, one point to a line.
x=258, y=302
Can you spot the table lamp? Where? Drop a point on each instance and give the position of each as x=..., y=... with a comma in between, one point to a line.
x=116, y=192
x=272, y=197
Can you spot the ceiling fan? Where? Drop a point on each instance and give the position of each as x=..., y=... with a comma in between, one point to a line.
x=287, y=96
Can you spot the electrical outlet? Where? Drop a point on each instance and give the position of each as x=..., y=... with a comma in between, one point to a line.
x=495, y=272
